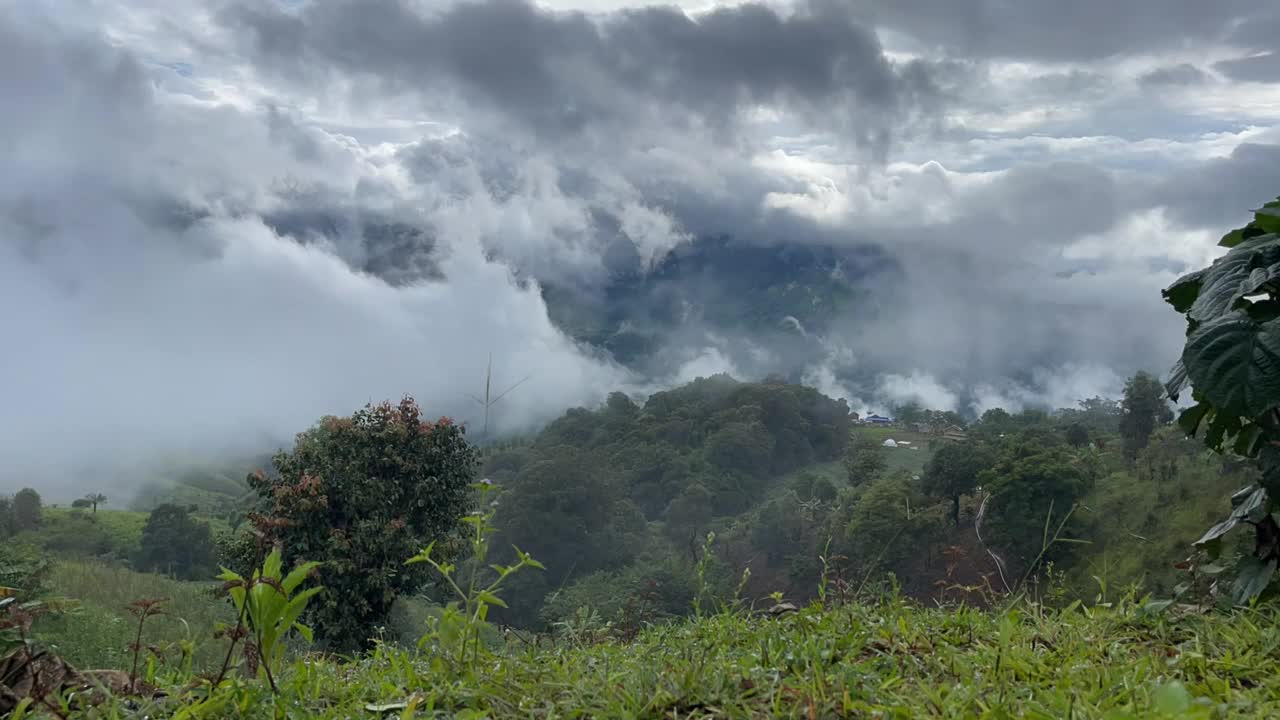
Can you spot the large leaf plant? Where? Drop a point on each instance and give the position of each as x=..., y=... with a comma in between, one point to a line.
x=1231, y=363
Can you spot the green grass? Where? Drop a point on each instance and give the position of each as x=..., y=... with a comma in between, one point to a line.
x=106, y=534
x=900, y=459
x=887, y=660
x=98, y=633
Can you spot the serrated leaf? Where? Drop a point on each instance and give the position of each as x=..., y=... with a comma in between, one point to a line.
x=1221, y=282
x=1184, y=291
x=1177, y=381
x=1258, y=279
x=1234, y=363
x=1252, y=577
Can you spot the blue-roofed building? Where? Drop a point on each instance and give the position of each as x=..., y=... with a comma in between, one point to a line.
x=877, y=420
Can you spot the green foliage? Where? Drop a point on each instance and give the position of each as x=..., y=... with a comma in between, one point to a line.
x=73, y=533
x=359, y=495
x=94, y=500
x=885, y=659
x=467, y=612
x=597, y=490
x=269, y=607
x=1033, y=485
x=1144, y=407
x=8, y=523
x=27, y=509
x=176, y=544
x=876, y=524
x=97, y=633
x=866, y=461
x=1096, y=415
x=953, y=471
x=651, y=590
x=1077, y=435
x=24, y=571
x=1231, y=361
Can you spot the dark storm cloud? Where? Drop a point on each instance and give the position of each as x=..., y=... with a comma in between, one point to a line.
x=565, y=72
x=1059, y=29
x=1183, y=74
x=1264, y=68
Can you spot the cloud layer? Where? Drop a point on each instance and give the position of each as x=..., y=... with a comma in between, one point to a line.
x=220, y=220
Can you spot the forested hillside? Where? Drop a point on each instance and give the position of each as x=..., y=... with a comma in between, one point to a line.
x=729, y=502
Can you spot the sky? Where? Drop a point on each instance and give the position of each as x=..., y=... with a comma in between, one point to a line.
x=221, y=220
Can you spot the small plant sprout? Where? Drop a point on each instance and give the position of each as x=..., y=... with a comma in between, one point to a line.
x=142, y=609
x=268, y=604
x=463, y=618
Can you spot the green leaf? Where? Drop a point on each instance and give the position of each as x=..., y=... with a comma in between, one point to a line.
x=1232, y=239
x=1258, y=280
x=1217, y=531
x=1222, y=281
x=488, y=597
x=1248, y=440
x=1189, y=419
x=300, y=573
x=1172, y=699
x=1184, y=291
x=1156, y=606
x=1177, y=381
x=1234, y=363
x=1252, y=577
x=1267, y=218
x=423, y=556
x=1251, y=506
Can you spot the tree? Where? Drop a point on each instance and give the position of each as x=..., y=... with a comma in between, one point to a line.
x=1144, y=406
x=177, y=544
x=362, y=494
x=866, y=460
x=1231, y=362
x=26, y=509
x=95, y=499
x=1077, y=435
x=8, y=523
x=953, y=471
x=1031, y=485
x=877, y=523
x=1097, y=414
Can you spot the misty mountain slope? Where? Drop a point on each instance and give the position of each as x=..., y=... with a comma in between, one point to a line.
x=781, y=298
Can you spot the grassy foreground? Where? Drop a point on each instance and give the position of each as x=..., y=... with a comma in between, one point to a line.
x=887, y=660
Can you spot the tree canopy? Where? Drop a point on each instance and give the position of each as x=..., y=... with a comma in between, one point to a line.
x=360, y=495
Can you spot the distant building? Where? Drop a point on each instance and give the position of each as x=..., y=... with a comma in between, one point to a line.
x=878, y=420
